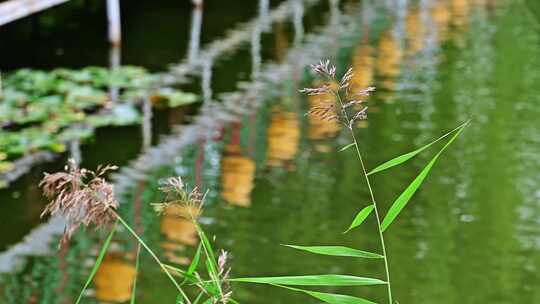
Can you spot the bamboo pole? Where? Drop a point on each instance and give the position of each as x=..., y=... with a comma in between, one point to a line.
x=113, y=17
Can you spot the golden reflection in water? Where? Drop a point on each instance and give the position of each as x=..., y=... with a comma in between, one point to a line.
x=283, y=137
x=179, y=231
x=362, y=64
x=114, y=279
x=416, y=32
x=460, y=15
x=237, y=174
x=441, y=15
x=389, y=60
x=319, y=128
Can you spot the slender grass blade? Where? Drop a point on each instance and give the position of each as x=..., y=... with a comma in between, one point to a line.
x=406, y=195
x=330, y=298
x=314, y=280
x=99, y=259
x=195, y=261
x=134, y=289
x=405, y=157
x=347, y=147
x=338, y=251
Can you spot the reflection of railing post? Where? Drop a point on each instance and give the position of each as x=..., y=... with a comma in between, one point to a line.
x=298, y=8
x=147, y=123
x=195, y=33
x=75, y=151
x=401, y=11
x=206, y=82
x=264, y=9
x=114, y=63
x=256, y=51
x=334, y=12
x=113, y=17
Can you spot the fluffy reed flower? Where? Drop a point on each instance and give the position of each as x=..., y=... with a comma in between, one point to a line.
x=348, y=105
x=82, y=196
x=223, y=278
x=223, y=273
x=176, y=193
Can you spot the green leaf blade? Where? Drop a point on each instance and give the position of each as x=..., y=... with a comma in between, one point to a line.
x=314, y=280
x=338, y=251
x=346, y=147
x=406, y=195
x=405, y=157
x=98, y=262
x=360, y=217
x=330, y=298
x=134, y=288
x=195, y=261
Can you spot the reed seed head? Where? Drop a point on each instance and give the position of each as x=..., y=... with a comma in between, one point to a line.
x=176, y=193
x=82, y=196
x=345, y=106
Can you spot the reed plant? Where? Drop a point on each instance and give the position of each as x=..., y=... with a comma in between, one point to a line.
x=86, y=198
x=347, y=105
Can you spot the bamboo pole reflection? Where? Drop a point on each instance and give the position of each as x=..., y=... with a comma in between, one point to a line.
x=298, y=9
x=256, y=59
x=195, y=31
x=115, y=53
x=146, y=125
x=206, y=81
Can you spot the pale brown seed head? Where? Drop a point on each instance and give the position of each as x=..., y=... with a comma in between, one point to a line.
x=82, y=196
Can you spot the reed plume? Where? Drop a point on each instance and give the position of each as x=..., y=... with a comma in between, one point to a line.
x=80, y=195
x=347, y=107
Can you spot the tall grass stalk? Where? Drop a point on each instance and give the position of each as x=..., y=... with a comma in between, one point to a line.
x=153, y=255
x=349, y=125
x=339, y=102
x=137, y=266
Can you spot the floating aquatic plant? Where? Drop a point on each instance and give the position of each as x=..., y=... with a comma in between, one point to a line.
x=42, y=111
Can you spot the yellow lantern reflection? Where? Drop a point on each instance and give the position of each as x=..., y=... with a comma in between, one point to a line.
x=237, y=174
x=389, y=60
x=114, y=279
x=416, y=32
x=179, y=231
x=441, y=15
x=283, y=137
x=460, y=15
x=362, y=63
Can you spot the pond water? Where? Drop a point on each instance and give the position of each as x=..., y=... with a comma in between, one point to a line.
x=471, y=234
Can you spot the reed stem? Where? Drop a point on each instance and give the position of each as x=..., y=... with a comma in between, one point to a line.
x=374, y=202
x=158, y=261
